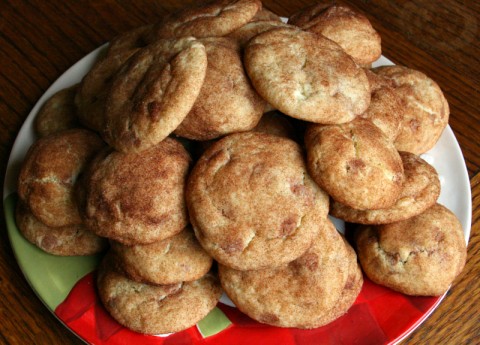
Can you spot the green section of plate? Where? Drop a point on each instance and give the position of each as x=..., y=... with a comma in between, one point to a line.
x=51, y=277
x=215, y=322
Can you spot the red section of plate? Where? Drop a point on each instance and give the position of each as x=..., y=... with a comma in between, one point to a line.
x=379, y=316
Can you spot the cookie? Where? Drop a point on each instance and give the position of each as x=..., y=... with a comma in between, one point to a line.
x=94, y=87
x=350, y=29
x=355, y=164
x=426, y=111
x=175, y=259
x=420, y=256
x=306, y=76
x=155, y=309
x=213, y=19
x=227, y=102
x=352, y=287
x=385, y=109
x=137, y=198
x=49, y=172
x=420, y=190
x=299, y=294
x=265, y=14
x=153, y=93
x=245, y=33
x=130, y=40
x=58, y=113
x=252, y=203
x=64, y=241
x=275, y=123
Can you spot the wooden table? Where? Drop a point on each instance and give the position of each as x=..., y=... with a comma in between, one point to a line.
x=40, y=39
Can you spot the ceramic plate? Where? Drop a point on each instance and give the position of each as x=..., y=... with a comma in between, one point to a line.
x=66, y=284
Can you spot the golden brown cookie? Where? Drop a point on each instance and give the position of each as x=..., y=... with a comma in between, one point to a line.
x=349, y=28
x=420, y=190
x=137, y=198
x=276, y=123
x=419, y=256
x=385, y=109
x=57, y=113
x=306, y=76
x=155, y=309
x=352, y=287
x=302, y=293
x=64, y=241
x=213, y=19
x=426, y=110
x=227, y=102
x=49, y=172
x=355, y=164
x=265, y=14
x=175, y=259
x=252, y=203
x=130, y=40
x=153, y=93
x=245, y=33
x=94, y=87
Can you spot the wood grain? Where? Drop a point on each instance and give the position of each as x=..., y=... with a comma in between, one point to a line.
x=40, y=39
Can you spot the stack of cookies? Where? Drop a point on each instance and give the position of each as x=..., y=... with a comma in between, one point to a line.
x=228, y=137
x=47, y=212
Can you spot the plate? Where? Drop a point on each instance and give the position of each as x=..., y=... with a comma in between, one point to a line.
x=66, y=285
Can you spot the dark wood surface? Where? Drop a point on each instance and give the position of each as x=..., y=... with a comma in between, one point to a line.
x=40, y=39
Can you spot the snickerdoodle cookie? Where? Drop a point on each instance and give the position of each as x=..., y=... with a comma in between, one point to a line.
x=227, y=102
x=420, y=190
x=49, y=173
x=385, y=109
x=352, y=287
x=418, y=256
x=57, y=113
x=252, y=203
x=94, y=87
x=172, y=260
x=276, y=123
x=350, y=29
x=306, y=76
x=137, y=198
x=155, y=309
x=130, y=40
x=426, y=110
x=213, y=19
x=355, y=164
x=265, y=14
x=303, y=293
x=65, y=241
x=245, y=33
x=152, y=94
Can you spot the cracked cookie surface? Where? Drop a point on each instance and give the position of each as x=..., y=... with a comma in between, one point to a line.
x=175, y=259
x=308, y=292
x=214, y=19
x=420, y=190
x=426, y=110
x=252, y=203
x=420, y=256
x=49, y=173
x=155, y=309
x=227, y=102
x=355, y=164
x=306, y=76
x=153, y=92
x=340, y=23
x=136, y=198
